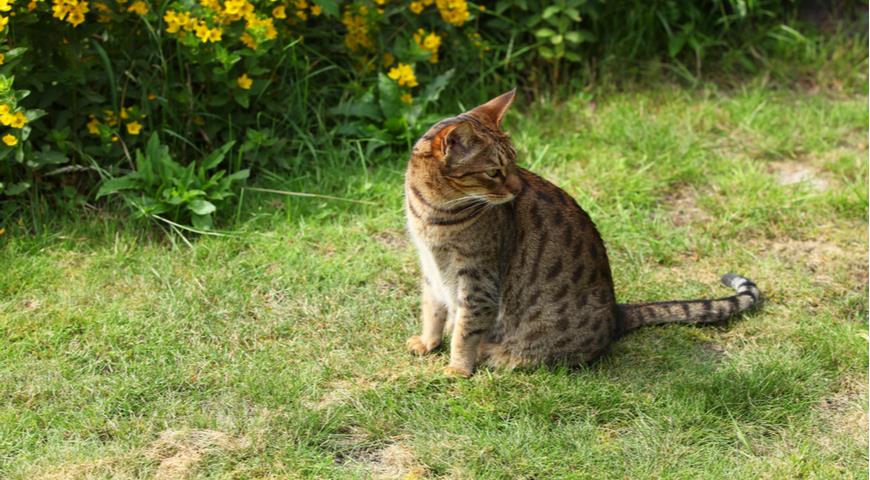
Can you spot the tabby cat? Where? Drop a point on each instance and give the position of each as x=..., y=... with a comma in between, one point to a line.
x=511, y=264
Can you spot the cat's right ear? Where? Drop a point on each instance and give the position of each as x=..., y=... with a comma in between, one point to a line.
x=452, y=142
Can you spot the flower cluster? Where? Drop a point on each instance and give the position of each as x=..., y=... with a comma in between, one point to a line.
x=357, y=24
x=417, y=6
x=11, y=119
x=73, y=11
x=129, y=116
x=138, y=7
x=430, y=42
x=454, y=12
x=5, y=6
x=403, y=74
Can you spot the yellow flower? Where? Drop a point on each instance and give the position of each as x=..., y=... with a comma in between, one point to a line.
x=133, y=128
x=278, y=12
x=109, y=115
x=316, y=10
x=151, y=97
x=31, y=6
x=139, y=7
x=454, y=12
x=72, y=11
x=407, y=98
x=93, y=126
x=403, y=74
x=4, y=109
x=248, y=40
x=389, y=59
x=208, y=34
x=2, y=58
x=10, y=140
x=5, y=5
x=18, y=120
x=2, y=231
x=244, y=82
x=301, y=4
x=416, y=7
x=430, y=42
x=124, y=114
x=357, y=37
x=3, y=22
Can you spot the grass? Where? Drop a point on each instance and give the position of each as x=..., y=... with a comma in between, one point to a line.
x=278, y=351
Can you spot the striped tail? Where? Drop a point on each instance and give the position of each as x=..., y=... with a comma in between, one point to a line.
x=637, y=315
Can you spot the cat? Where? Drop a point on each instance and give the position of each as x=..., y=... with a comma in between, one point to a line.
x=511, y=264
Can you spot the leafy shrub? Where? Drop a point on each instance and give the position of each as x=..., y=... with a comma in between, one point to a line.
x=286, y=78
x=161, y=186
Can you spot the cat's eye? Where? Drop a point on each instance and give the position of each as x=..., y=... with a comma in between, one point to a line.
x=494, y=173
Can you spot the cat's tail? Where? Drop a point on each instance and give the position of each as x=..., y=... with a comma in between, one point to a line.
x=636, y=315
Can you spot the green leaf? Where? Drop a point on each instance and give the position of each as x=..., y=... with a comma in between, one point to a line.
x=556, y=39
x=364, y=107
x=34, y=114
x=110, y=74
x=115, y=185
x=48, y=157
x=550, y=11
x=240, y=175
x=241, y=98
x=214, y=158
x=547, y=53
x=436, y=86
x=16, y=188
x=201, y=207
x=202, y=222
x=676, y=44
x=15, y=53
x=388, y=97
x=330, y=7
x=573, y=57
x=544, y=33
x=574, y=37
x=573, y=14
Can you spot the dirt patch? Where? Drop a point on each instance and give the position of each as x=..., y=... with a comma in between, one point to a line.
x=340, y=391
x=392, y=239
x=683, y=208
x=391, y=462
x=793, y=173
x=179, y=451
x=396, y=461
x=97, y=468
x=844, y=415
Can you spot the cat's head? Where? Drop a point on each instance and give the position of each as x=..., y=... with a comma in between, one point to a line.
x=469, y=156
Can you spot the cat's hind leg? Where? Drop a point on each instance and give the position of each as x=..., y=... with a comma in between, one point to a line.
x=495, y=354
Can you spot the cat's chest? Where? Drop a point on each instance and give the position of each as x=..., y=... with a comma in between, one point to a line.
x=436, y=270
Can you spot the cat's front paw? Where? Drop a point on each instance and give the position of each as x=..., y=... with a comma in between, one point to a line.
x=417, y=346
x=457, y=372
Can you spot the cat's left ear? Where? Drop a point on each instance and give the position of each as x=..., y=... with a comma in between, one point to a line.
x=493, y=111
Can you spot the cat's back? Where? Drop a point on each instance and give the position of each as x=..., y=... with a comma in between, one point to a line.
x=558, y=293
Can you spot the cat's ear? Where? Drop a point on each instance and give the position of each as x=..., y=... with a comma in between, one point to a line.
x=493, y=111
x=453, y=142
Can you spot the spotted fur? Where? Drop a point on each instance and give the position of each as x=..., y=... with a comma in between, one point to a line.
x=511, y=265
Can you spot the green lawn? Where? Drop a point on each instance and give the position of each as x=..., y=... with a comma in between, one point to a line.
x=279, y=351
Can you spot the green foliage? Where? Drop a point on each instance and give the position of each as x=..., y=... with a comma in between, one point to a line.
x=291, y=80
x=161, y=186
